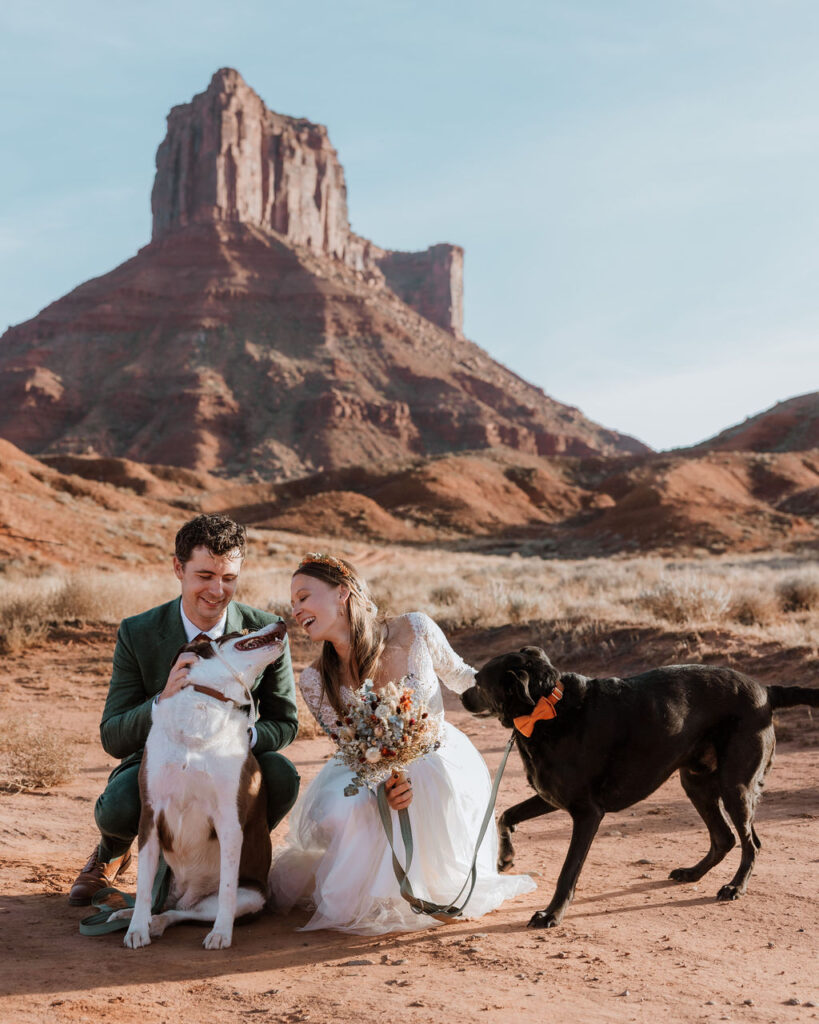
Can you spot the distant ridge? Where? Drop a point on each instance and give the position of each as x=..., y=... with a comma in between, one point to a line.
x=789, y=426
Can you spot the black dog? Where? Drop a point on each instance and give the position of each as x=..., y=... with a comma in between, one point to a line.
x=607, y=743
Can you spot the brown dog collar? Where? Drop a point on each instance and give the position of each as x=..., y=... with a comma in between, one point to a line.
x=543, y=711
x=208, y=692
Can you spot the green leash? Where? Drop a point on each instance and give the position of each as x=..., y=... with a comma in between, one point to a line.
x=440, y=911
x=110, y=899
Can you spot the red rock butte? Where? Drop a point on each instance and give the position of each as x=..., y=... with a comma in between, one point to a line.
x=258, y=335
x=228, y=159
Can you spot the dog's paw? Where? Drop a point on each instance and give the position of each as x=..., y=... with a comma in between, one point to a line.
x=136, y=938
x=159, y=922
x=122, y=915
x=505, y=861
x=728, y=893
x=685, y=875
x=544, y=919
x=217, y=940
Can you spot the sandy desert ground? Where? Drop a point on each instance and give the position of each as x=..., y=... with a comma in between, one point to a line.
x=633, y=947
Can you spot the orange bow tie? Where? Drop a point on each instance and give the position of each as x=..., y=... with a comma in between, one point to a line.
x=544, y=710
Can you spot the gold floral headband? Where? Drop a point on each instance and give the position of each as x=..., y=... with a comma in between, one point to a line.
x=317, y=558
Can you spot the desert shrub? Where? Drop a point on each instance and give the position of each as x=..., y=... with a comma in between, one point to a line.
x=798, y=594
x=522, y=606
x=29, y=607
x=754, y=607
x=17, y=636
x=33, y=757
x=23, y=616
x=686, y=598
x=494, y=603
x=85, y=597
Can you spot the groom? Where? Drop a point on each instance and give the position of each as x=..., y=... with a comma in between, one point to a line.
x=209, y=553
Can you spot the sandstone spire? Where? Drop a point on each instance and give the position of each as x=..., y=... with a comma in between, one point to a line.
x=227, y=158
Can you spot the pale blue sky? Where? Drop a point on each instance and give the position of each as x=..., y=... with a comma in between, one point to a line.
x=635, y=183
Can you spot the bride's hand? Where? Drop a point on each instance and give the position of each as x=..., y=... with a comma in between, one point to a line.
x=399, y=791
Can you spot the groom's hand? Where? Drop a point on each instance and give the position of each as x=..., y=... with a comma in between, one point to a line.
x=399, y=791
x=178, y=677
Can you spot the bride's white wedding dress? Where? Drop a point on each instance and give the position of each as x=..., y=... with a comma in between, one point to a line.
x=336, y=859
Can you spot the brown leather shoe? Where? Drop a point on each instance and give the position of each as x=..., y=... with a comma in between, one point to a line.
x=96, y=875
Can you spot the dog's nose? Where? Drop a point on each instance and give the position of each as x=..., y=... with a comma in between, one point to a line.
x=471, y=700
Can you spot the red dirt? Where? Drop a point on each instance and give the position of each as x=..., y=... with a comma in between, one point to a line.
x=633, y=946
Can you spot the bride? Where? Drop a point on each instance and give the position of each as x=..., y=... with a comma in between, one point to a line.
x=336, y=859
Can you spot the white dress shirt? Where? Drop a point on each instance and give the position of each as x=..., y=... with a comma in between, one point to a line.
x=192, y=631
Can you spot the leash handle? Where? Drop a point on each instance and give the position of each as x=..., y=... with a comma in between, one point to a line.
x=440, y=911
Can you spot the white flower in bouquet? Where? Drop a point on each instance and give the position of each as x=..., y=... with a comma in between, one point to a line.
x=383, y=731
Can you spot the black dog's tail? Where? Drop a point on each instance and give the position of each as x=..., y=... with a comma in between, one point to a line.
x=790, y=696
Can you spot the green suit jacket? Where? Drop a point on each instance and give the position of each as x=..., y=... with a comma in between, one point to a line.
x=147, y=646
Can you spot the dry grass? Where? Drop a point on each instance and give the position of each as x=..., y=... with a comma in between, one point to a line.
x=799, y=593
x=29, y=608
x=684, y=599
x=267, y=588
x=33, y=757
x=751, y=607
x=775, y=597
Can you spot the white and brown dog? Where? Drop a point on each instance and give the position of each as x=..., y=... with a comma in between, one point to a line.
x=203, y=797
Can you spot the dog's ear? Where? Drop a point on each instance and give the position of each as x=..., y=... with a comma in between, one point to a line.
x=201, y=648
x=223, y=639
x=517, y=681
x=543, y=674
x=536, y=654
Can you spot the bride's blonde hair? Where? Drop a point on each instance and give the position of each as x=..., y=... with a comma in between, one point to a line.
x=367, y=633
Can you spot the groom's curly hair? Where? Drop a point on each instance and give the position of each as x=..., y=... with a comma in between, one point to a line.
x=220, y=534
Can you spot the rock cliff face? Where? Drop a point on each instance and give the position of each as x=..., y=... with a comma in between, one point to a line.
x=429, y=281
x=227, y=158
x=257, y=335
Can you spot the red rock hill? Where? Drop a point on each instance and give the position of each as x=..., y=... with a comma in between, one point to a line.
x=790, y=426
x=258, y=335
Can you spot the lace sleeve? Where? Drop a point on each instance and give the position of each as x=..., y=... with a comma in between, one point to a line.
x=450, y=667
x=311, y=690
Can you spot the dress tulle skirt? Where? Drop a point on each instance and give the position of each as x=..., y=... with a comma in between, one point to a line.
x=336, y=860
